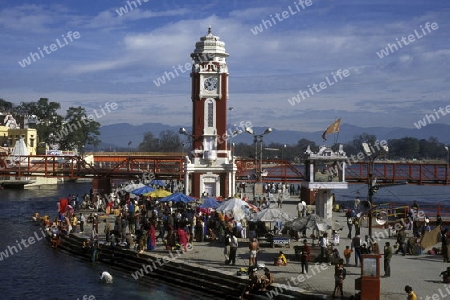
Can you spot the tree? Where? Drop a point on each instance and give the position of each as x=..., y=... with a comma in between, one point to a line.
x=303, y=144
x=78, y=130
x=47, y=115
x=6, y=106
x=149, y=143
x=169, y=141
x=407, y=147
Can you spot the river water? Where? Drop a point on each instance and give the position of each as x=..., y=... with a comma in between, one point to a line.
x=39, y=272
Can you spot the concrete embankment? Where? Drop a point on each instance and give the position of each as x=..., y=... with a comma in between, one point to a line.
x=147, y=267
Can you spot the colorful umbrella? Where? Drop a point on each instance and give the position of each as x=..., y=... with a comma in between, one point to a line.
x=143, y=190
x=177, y=197
x=210, y=203
x=158, y=182
x=132, y=186
x=161, y=193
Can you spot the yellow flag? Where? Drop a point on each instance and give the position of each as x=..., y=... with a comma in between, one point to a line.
x=332, y=128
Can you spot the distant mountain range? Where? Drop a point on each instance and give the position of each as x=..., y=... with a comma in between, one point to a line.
x=120, y=135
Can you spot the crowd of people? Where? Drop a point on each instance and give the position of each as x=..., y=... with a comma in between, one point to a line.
x=143, y=223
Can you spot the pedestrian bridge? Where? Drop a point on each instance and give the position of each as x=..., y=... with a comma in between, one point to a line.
x=170, y=166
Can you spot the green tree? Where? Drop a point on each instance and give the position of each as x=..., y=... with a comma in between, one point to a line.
x=77, y=130
x=169, y=141
x=303, y=144
x=47, y=115
x=149, y=143
x=6, y=106
x=404, y=148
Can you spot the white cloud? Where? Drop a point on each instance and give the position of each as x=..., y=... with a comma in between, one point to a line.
x=32, y=17
x=117, y=58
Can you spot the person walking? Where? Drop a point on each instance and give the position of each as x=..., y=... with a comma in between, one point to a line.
x=82, y=220
x=244, y=228
x=356, y=245
x=300, y=209
x=306, y=251
x=74, y=223
x=304, y=208
x=323, y=242
x=339, y=275
x=233, y=249
x=279, y=201
x=347, y=255
x=349, y=222
x=226, y=249
x=387, y=259
x=401, y=240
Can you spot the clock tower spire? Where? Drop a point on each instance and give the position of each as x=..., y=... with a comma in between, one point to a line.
x=210, y=167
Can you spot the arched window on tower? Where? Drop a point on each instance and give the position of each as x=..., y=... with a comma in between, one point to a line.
x=209, y=131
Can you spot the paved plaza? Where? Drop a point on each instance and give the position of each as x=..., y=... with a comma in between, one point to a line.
x=420, y=272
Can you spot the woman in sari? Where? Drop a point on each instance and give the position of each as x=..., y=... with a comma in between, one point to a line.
x=151, y=241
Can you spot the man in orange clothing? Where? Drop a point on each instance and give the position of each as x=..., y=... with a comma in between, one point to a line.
x=347, y=255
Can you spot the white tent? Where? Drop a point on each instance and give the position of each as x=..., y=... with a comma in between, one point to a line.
x=272, y=215
x=20, y=149
x=233, y=207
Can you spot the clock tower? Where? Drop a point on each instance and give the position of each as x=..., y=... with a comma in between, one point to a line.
x=210, y=168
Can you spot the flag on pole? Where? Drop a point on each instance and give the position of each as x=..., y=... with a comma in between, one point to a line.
x=332, y=128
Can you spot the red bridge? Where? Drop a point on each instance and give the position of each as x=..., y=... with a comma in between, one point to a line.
x=170, y=166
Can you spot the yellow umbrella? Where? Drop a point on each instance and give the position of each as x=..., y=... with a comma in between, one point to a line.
x=161, y=193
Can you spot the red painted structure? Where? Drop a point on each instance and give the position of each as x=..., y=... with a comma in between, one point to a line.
x=170, y=166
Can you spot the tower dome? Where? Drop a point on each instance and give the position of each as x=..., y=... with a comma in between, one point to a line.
x=209, y=48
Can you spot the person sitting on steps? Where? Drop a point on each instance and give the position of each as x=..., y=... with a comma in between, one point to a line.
x=280, y=260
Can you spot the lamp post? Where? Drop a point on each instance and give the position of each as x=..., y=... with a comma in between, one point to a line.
x=447, y=163
x=186, y=174
x=182, y=149
x=283, y=164
x=229, y=137
x=372, y=188
x=448, y=152
x=258, y=141
x=183, y=131
x=370, y=193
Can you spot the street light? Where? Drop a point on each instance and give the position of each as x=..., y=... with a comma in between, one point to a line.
x=229, y=137
x=182, y=149
x=447, y=149
x=283, y=164
x=258, y=141
x=447, y=163
x=187, y=133
x=371, y=185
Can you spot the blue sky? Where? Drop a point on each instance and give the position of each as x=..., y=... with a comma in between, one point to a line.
x=118, y=58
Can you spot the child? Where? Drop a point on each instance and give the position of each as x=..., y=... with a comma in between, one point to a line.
x=347, y=255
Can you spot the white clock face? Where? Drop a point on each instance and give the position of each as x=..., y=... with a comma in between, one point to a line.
x=210, y=84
